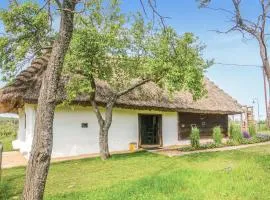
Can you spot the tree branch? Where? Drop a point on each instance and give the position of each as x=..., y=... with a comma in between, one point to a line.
x=140, y=83
x=58, y=4
x=94, y=103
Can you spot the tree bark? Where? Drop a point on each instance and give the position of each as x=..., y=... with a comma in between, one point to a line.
x=103, y=143
x=39, y=161
x=105, y=124
x=266, y=69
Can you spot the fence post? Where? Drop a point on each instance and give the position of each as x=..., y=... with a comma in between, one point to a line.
x=1, y=152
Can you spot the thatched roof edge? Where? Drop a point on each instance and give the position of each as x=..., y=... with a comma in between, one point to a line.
x=25, y=89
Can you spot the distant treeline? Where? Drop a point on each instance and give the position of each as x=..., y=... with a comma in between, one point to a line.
x=8, y=126
x=5, y=120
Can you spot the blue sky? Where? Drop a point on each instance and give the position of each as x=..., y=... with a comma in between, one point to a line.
x=242, y=83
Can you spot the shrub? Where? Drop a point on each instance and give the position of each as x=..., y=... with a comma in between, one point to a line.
x=195, y=137
x=252, y=129
x=236, y=134
x=246, y=134
x=209, y=145
x=263, y=137
x=217, y=136
x=231, y=126
x=231, y=142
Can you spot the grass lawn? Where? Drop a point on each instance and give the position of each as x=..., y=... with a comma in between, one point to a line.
x=239, y=174
x=7, y=142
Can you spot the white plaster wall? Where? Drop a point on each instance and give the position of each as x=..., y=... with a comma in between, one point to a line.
x=30, y=114
x=170, y=129
x=21, y=131
x=16, y=144
x=71, y=139
x=27, y=128
x=124, y=129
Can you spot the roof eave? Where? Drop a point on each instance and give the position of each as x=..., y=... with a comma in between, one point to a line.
x=143, y=107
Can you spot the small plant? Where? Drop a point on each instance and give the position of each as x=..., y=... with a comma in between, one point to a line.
x=231, y=142
x=252, y=129
x=209, y=145
x=263, y=137
x=195, y=138
x=246, y=134
x=236, y=134
x=231, y=125
x=217, y=136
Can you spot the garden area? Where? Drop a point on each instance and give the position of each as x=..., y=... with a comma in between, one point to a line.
x=8, y=132
x=236, y=137
x=239, y=174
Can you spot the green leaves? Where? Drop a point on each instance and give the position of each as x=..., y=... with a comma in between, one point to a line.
x=118, y=49
x=26, y=31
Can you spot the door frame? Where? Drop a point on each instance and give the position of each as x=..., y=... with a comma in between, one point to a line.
x=160, y=134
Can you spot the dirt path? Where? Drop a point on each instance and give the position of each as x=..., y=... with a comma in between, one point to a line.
x=16, y=159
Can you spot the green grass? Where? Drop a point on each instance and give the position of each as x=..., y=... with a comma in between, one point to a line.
x=239, y=174
x=8, y=132
x=7, y=142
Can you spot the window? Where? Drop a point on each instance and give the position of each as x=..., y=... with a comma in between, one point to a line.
x=84, y=125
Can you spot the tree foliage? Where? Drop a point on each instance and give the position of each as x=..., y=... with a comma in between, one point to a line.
x=27, y=31
x=123, y=50
x=127, y=52
x=256, y=27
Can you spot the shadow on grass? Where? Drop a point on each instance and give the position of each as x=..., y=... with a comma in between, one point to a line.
x=171, y=185
x=114, y=157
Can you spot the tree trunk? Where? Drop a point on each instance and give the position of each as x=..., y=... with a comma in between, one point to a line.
x=104, y=125
x=266, y=70
x=103, y=143
x=39, y=161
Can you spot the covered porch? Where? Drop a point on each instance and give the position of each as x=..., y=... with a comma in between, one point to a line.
x=203, y=121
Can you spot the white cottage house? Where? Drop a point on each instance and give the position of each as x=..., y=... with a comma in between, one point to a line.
x=147, y=116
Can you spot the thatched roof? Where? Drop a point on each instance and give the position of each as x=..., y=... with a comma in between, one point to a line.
x=25, y=89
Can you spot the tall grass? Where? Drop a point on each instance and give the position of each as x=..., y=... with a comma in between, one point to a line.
x=217, y=135
x=195, y=137
x=235, y=132
x=252, y=129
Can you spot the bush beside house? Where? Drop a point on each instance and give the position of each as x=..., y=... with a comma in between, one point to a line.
x=236, y=134
x=252, y=129
x=195, y=137
x=217, y=136
x=236, y=137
